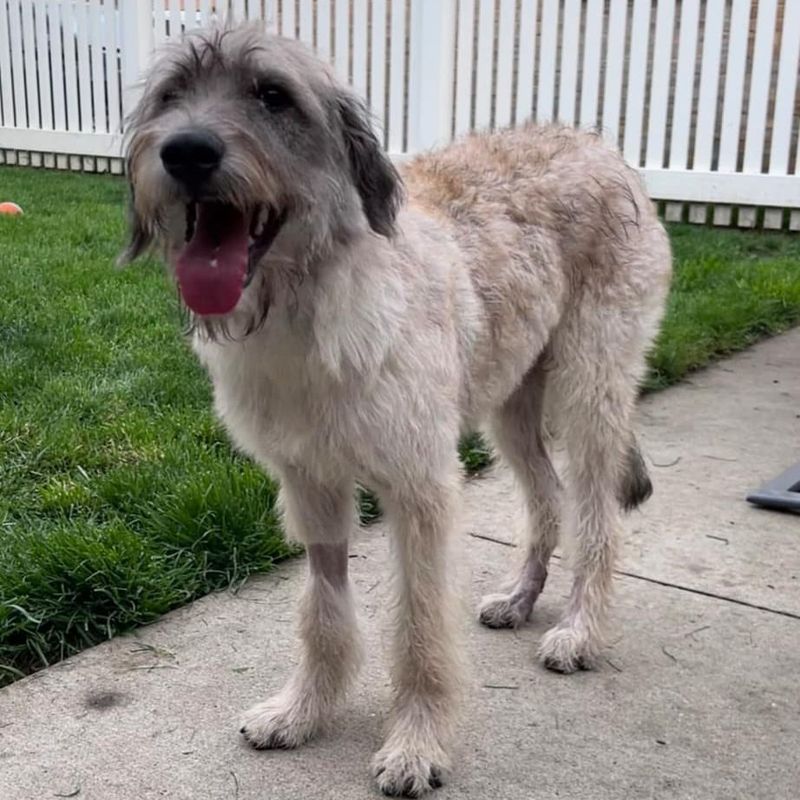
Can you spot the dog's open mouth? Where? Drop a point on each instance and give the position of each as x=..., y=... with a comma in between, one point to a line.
x=223, y=246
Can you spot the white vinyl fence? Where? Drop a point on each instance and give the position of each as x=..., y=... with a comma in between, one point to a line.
x=700, y=95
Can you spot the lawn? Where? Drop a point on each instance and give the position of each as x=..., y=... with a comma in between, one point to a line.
x=120, y=496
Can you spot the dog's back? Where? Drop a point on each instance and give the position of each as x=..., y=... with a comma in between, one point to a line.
x=566, y=188
x=557, y=233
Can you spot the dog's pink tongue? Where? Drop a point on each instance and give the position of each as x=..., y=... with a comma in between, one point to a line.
x=211, y=267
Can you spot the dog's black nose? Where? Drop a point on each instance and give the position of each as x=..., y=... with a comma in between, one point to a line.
x=192, y=157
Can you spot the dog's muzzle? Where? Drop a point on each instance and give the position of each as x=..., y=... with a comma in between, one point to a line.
x=223, y=242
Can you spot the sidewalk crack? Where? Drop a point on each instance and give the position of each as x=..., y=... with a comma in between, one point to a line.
x=668, y=584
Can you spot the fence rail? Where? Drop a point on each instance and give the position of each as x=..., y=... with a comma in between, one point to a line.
x=700, y=95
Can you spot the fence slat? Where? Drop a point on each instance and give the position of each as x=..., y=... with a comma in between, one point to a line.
x=505, y=64
x=15, y=34
x=432, y=52
x=84, y=74
x=773, y=218
x=137, y=40
x=734, y=85
x=545, y=95
x=592, y=46
x=255, y=10
x=56, y=61
x=785, y=91
x=289, y=18
x=29, y=46
x=175, y=24
x=733, y=96
x=570, y=51
x=397, y=78
x=615, y=62
x=6, y=88
x=377, y=86
x=526, y=61
x=238, y=10
x=324, y=30
x=72, y=101
x=466, y=54
x=485, y=66
x=637, y=74
x=306, y=23
x=205, y=12
x=684, y=84
x=659, y=87
x=113, y=69
x=342, y=36
x=708, y=96
x=159, y=23
x=98, y=78
x=43, y=63
x=709, y=85
x=271, y=14
x=359, y=48
x=759, y=86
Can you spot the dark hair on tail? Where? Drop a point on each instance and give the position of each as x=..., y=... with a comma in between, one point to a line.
x=635, y=486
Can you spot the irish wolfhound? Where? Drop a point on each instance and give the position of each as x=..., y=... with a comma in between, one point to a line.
x=350, y=336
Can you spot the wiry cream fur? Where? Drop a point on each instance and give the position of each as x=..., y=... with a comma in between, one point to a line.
x=528, y=267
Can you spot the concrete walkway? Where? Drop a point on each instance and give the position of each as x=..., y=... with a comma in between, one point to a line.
x=699, y=696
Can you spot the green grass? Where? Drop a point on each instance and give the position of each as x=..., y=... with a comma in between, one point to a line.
x=730, y=289
x=120, y=497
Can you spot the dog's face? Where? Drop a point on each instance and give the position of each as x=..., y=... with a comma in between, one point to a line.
x=241, y=138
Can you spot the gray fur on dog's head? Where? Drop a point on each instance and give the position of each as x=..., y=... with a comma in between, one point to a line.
x=296, y=142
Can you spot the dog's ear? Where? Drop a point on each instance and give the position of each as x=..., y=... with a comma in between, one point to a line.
x=140, y=237
x=373, y=174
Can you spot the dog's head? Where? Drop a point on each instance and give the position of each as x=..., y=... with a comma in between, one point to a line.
x=239, y=139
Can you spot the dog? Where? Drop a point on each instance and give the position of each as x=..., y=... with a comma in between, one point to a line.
x=356, y=319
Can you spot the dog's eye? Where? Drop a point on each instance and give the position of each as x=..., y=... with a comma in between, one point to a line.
x=273, y=97
x=168, y=97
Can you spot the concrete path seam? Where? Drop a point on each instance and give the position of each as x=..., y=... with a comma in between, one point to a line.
x=668, y=584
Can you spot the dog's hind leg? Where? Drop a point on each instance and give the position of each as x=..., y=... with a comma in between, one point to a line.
x=426, y=664
x=519, y=436
x=322, y=518
x=598, y=360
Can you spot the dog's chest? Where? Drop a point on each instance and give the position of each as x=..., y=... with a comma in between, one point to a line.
x=276, y=401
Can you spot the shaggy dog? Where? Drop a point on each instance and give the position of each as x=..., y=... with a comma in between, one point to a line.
x=351, y=336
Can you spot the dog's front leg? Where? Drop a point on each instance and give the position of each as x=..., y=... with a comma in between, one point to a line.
x=322, y=519
x=426, y=664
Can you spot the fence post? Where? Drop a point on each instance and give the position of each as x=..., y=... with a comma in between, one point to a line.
x=136, y=47
x=432, y=73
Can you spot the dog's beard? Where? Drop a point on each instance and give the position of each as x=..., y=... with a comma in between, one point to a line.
x=223, y=245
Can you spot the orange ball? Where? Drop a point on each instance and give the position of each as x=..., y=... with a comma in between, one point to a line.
x=11, y=209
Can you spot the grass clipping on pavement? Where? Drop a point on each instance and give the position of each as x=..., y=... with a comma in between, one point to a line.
x=121, y=497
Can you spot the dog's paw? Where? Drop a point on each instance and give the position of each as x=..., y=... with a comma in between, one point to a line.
x=407, y=773
x=505, y=610
x=278, y=723
x=566, y=649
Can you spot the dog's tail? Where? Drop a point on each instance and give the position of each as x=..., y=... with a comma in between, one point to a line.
x=635, y=486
